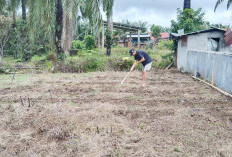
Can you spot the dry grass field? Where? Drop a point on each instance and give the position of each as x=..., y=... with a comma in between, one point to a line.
x=92, y=115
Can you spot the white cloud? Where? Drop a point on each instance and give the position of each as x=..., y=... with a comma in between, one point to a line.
x=161, y=12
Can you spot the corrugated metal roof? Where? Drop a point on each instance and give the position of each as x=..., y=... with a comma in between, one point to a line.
x=175, y=35
x=141, y=36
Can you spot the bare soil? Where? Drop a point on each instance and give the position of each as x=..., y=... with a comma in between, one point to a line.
x=93, y=115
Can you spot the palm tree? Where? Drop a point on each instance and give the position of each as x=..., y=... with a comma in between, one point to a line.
x=108, y=8
x=187, y=4
x=23, y=4
x=58, y=26
x=12, y=7
x=57, y=18
x=2, y=5
x=221, y=1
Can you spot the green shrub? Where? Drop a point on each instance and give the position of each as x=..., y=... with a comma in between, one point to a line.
x=96, y=64
x=86, y=64
x=2, y=71
x=119, y=64
x=49, y=64
x=38, y=60
x=77, y=44
x=166, y=60
x=89, y=42
x=166, y=45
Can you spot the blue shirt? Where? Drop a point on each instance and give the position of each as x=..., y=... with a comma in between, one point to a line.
x=141, y=54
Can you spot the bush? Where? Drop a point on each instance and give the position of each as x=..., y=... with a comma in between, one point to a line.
x=120, y=64
x=166, y=60
x=86, y=64
x=166, y=45
x=89, y=42
x=45, y=60
x=77, y=44
x=2, y=71
x=38, y=60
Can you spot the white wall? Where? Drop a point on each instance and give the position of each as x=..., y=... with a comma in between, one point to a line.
x=195, y=56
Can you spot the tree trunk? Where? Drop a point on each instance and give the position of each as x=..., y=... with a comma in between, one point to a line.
x=187, y=4
x=24, y=16
x=1, y=54
x=110, y=29
x=103, y=38
x=69, y=27
x=14, y=19
x=59, y=27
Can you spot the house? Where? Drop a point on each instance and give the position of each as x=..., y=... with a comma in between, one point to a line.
x=207, y=53
x=144, y=39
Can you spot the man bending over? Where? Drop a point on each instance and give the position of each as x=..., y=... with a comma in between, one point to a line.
x=145, y=59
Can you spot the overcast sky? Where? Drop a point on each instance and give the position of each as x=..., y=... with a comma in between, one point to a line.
x=161, y=12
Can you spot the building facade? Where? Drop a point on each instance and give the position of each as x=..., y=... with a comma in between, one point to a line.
x=207, y=53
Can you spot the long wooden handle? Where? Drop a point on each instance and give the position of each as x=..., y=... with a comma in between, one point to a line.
x=125, y=78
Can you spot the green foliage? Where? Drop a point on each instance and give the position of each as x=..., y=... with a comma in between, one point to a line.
x=189, y=20
x=220, y=26
x=77, y=44
x=166, y=60
x=89, y=42
x=166, y=44
x=229, y=2
x=109, y=39
x=2, y=71
x=137, y=24
x=49, y=64
x=19, y=45
x=5, y=27
x=120, y=64
x=115, y=41
x=46, y=59
x=156, y=30
x=86, y=64
x=38, y=60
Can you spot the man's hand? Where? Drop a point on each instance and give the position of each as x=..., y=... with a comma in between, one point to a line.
x=142, y=60
x=133, y=66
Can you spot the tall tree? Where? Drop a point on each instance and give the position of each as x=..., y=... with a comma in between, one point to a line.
x=12, y=7
x=57, y=18
x=143, y=25
x=2, y=5
x=5, y=26
x=221, y=1
x=58, y=26
x=156, y=30
x=108, y=8
x=23, y=4
x=187, y=4
x=189, y=20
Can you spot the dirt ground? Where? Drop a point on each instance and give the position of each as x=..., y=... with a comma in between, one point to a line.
x=92, y=115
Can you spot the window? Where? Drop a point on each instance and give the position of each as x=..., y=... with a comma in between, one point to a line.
x=213, y=44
